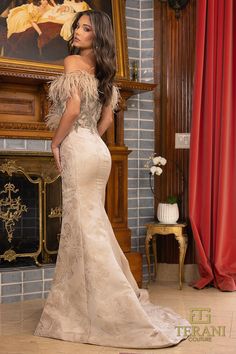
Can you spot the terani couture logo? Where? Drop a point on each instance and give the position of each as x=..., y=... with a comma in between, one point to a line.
x=201, y=328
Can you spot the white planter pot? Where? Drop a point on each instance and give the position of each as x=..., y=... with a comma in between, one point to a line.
x=168, y=213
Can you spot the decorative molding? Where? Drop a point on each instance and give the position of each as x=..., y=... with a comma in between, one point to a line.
x=13, y=71
x=22, y=126
x=135, y=86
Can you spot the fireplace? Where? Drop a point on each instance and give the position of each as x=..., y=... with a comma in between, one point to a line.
x=30, y=209
x=30, y=221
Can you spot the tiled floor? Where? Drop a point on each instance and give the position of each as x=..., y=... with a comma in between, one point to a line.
x=18, y=321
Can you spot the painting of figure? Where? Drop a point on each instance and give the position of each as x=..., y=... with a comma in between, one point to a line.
x=38, y=30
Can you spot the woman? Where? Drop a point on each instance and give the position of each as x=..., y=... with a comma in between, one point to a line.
x=94, y=297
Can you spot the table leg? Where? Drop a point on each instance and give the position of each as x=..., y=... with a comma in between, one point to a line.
x=182, y=251
x=148, y=237
x=154, y=248
x=184, y=254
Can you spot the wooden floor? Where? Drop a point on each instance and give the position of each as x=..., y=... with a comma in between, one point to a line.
x=18, y=321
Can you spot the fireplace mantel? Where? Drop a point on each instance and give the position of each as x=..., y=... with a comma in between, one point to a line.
x=24, y=104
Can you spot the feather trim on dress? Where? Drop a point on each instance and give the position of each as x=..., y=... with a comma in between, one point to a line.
x=63, y=87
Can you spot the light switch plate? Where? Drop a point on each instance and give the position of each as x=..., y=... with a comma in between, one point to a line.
x=182, y=140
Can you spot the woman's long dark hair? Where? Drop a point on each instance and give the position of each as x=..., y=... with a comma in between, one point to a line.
x=104, y=51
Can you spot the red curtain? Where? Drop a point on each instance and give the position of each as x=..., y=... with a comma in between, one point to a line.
x=212, y=202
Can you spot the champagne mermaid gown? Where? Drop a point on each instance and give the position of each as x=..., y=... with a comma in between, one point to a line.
x=94, y=297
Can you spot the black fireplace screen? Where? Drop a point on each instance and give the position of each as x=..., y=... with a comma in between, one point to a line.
x=30, y=214
x=20, y=219
x=19, y=214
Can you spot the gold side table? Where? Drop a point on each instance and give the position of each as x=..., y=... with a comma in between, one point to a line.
x=155, y=229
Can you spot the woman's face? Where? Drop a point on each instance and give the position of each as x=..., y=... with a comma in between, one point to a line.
x=83, y=34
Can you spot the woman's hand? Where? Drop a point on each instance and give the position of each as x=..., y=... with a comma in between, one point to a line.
x=56, y=154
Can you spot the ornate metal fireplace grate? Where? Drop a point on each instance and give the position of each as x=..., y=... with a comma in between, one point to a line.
x=30, y=210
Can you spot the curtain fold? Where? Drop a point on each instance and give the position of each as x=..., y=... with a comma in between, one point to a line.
x=212, y=175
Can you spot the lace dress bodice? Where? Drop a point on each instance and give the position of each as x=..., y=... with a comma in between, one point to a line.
x=64, y=86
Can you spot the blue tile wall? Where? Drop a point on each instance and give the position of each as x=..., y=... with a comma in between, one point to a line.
x=139, y=123
x=17, y=284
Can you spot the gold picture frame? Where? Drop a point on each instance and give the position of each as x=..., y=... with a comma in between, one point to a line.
x=23, y=84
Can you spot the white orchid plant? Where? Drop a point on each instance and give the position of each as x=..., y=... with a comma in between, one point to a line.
x=153, y=165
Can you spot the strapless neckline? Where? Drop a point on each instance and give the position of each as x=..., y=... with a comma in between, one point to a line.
x=81, y=71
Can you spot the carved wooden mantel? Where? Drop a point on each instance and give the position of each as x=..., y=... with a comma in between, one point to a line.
x=23, y=100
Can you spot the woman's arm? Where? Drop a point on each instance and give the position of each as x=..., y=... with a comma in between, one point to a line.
x=71, y=112
x=106, y=119
x=66, y=123
x=68, y=118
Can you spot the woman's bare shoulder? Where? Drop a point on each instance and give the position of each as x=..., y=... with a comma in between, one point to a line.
x=73, y=63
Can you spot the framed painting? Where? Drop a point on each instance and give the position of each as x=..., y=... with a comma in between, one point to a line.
x=33, y=44
x=34, y=34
